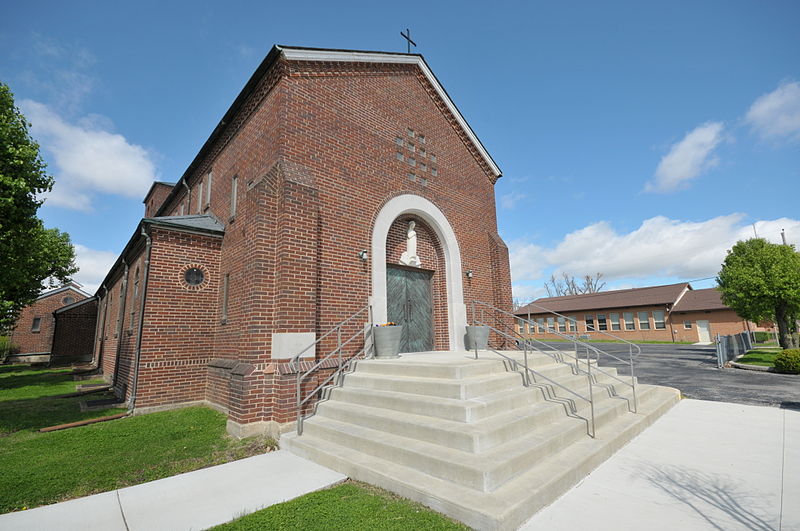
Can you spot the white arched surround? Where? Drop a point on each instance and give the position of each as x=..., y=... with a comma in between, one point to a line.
x=430, y=213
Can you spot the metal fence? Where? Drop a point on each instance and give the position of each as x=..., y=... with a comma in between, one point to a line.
x=733, y=346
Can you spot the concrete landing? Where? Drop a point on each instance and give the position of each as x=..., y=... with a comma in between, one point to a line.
x=467, y=438
x=703, y=466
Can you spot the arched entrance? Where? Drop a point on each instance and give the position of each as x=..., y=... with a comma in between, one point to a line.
x=409, y=204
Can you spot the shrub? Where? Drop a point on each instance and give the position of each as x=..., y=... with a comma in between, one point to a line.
x=788, y=361
x=762, y=337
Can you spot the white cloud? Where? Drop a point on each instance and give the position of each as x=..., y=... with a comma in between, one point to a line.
x=777, y=114
x=687, y=158
x=510, y=200
x=659, y=248
x=88, y=158
x=93, y=266
x=528, y=261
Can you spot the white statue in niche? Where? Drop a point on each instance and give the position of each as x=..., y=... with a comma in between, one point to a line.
x=409, y=257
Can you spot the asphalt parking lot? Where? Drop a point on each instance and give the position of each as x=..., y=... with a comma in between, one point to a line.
x=693, y=370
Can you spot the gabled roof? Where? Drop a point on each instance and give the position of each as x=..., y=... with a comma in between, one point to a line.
x=623, y=298
x=153, y=187
x=701, y=300
x=296, y=53
x=73, y=286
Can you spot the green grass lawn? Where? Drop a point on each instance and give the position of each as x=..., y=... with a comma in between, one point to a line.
x=765, y=358
x=347, y=506
x=42, y=468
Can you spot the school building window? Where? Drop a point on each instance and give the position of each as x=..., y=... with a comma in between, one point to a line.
x=614, y=318
x=658, y=320
x=644, y=321
x=629, y=325
x=589, y=322
x=601, y=322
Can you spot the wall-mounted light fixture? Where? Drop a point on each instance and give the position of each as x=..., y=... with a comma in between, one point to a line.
x=363, y=255
x=469, y=273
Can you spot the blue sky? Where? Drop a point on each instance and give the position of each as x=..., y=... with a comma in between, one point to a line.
x=639, y=140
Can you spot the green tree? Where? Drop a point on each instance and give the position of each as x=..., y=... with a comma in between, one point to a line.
x=30, y=254
x=761, y=281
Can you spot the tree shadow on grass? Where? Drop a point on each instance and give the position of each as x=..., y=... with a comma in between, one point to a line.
x=31, y=378
x=36, y=413
x=709, y=494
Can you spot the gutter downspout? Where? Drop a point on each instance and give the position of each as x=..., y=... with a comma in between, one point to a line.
x=121, y=322
x=102, y=330
x=149, y=247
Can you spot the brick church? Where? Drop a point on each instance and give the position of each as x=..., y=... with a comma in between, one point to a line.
x=289, y=220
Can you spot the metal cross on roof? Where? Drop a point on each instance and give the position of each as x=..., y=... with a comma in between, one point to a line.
x=407, y=36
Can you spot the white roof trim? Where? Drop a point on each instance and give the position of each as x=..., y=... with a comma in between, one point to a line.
x=294, y=54
x=63, y=288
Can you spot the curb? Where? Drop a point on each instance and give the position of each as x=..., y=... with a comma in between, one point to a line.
x=748, y=367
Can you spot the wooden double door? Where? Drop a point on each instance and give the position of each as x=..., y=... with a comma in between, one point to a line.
x=409, y=301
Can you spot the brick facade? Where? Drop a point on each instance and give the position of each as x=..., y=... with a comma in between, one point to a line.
x=39, y=340
x=73, y=335
x=311, y=150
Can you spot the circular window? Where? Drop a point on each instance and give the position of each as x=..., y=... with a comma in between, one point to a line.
x=194, y=276
x=68, y=300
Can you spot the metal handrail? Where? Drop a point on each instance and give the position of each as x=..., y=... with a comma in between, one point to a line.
x=342, y=365
x=576, y=342
x=532, y=374
x=598, y=352
x=631, y=346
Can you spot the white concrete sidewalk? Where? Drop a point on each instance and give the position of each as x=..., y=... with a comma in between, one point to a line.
x=195, y=500
x=703, y=465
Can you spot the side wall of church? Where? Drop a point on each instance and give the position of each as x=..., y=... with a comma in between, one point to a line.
x=179, y=319
x=36, y=341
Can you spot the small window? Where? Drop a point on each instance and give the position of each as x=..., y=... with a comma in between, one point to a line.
x=194, y=276
x=421, y=139
x=551, y=324
x=411, y=133
x=234, y=194
x=562, y=324
x=208, y=188
x=687, y=325
x=67, y=300
x=589, y=322
x=399, y=156
x=225, y=281
x=573, y=326
x=614, y=318
x=37, y=324
x=422, y=152
x=540, y=324
x=412, y=161
x=423, y=181
x=658, y=320
x=644, y=321
x=601, y=322
x=199, y=191
x=412, y=177
x=434, y=172
x=629, y=324
x=398, y=141
x=423, y=166
x=412, y=147
x=433, y=157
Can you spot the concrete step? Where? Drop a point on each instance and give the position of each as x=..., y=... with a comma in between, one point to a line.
x=511, y=504
x=466, y=369
x=507, y=444
x=440, y=387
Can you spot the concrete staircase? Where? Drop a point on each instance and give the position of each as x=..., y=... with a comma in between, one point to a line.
x=466, y=437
